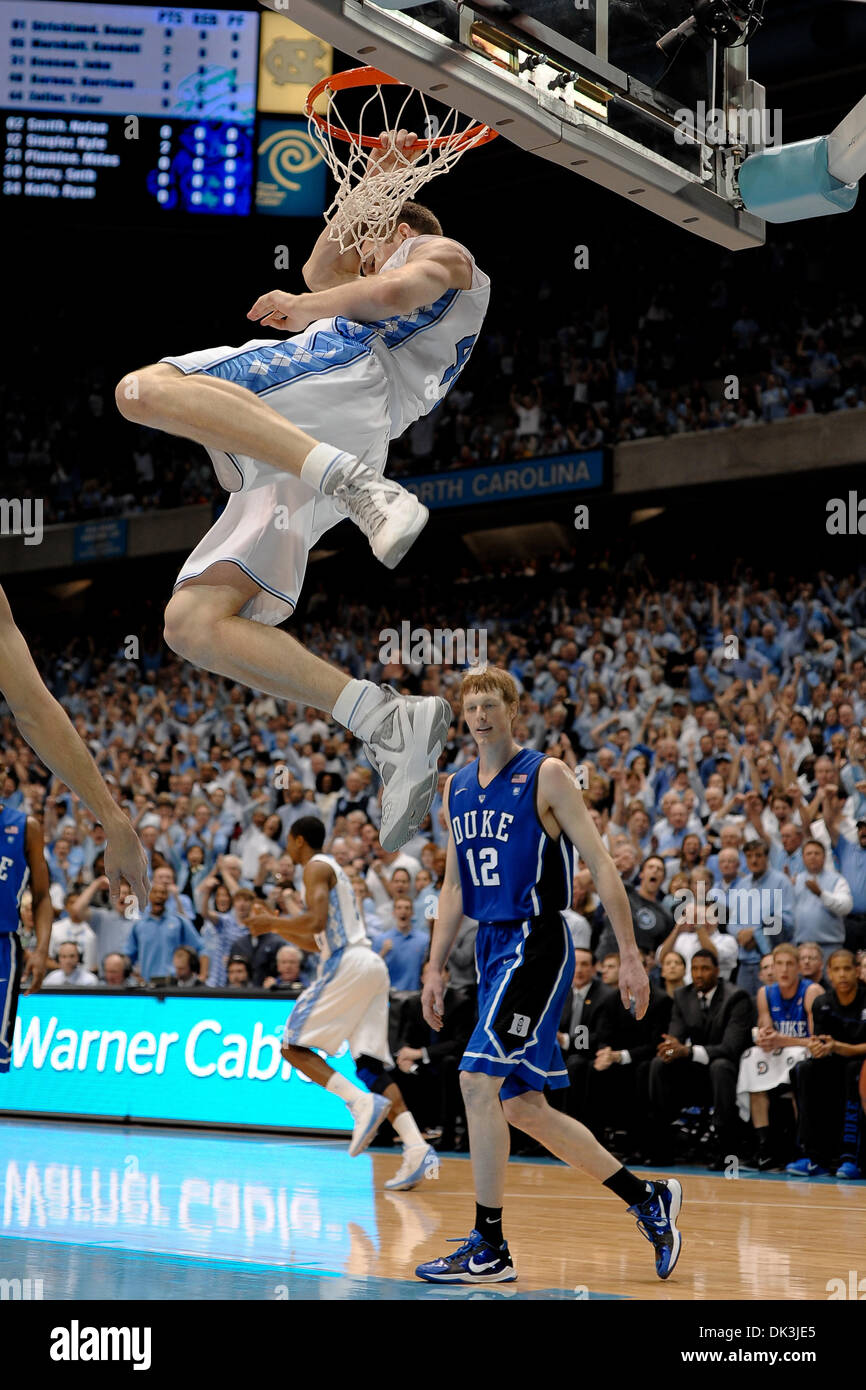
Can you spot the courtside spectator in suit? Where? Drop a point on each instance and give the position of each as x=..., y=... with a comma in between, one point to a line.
x=696, y=1063
x=577, y=1030
x=427, y=1061
x=619, y=1079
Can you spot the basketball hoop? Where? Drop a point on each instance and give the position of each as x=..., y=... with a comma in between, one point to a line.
x=369, y=197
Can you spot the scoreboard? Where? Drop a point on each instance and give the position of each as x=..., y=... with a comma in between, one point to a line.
x=143, y=110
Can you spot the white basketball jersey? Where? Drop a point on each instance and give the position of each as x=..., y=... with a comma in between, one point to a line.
x=345, y=924
x=424, y=352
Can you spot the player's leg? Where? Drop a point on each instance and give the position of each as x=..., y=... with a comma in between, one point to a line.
x=374, y=1064
x=232, y=419
x=484, y=1258
x=202, y=624
x=759, y=1113
x=656, y=1205
x=420, y=1159
x=367, y=1111
x=11, y=968
x=402, y=735
x=215, y=413
x=852, y=1124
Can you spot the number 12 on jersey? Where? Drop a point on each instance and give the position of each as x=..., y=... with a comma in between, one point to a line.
x=488, y=861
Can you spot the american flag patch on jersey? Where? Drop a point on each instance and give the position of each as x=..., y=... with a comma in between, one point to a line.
x=519, y=777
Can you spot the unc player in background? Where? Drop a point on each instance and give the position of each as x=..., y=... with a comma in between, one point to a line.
x=376, y=345
x=347, y=1002
x=514, y=816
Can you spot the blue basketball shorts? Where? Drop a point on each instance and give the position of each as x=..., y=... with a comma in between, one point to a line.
x=525, y=972
x=11, y=960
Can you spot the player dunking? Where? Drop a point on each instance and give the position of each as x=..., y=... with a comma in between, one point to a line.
x=376, y=344
x=348, y=1001
x=513, y=818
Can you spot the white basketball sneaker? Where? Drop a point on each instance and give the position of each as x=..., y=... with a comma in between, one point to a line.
x=419, y=1162
x=404, y=737
x=390, y=517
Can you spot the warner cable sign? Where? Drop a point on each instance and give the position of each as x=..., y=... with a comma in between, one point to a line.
x=197, y=1057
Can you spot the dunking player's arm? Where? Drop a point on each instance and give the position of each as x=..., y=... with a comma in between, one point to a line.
x=301, y=928
x=47, y=728
x=430, y=271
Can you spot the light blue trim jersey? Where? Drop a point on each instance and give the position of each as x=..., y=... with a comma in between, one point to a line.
x=422, y=352
x=510, y=868
x=345, y=926
x=14, y=869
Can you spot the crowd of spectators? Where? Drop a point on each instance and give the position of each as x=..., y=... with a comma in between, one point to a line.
x=585, y=372
x=717, y=731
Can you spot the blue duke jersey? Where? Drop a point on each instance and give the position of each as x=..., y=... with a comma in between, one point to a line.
x=510, y=868
x=789, y=1015
x=345, y=925
x=14, y=869
x=422, y=352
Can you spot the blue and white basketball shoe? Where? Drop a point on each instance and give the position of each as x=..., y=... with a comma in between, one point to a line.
x=805, y=1168
x=475, y=1262
x=368, y=1116
x=419, y=1162
x=657, y=1220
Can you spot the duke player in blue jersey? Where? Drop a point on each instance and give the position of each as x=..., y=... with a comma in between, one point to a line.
x=381, y=337
x=22, y=858
x=347, y=1002
x=514, y=818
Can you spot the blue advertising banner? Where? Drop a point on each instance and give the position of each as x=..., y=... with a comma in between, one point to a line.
x=502, y=481
x=100, y=540
x=187, y=1057
x=291, y=170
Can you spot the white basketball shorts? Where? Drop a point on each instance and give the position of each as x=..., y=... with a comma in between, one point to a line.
x=332, y=387
x=347, y=1002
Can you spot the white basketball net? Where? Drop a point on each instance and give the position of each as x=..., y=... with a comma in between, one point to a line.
x=368, y=199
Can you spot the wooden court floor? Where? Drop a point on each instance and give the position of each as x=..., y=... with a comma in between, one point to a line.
x=157, y=1214
x=743, y=1238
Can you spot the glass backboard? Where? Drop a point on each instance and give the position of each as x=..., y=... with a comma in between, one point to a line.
x=584, y=84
